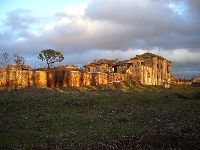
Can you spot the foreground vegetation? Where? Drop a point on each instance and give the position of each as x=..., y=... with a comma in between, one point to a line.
x=100, y=118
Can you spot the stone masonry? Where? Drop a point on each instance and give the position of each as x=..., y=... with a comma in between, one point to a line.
x=147, y=69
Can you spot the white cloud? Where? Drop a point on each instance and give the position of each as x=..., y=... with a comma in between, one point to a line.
x=48, y=27
x=21, y=39
x=35, y=33
x=76, y=10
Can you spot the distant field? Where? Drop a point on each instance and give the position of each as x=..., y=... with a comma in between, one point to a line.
x=100, y=118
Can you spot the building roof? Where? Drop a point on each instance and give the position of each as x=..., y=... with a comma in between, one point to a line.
x=121, y=63
x=103, y=61
x=69, y=67
x=149, y=55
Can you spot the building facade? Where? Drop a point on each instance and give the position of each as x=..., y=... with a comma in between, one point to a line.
x=150, y=69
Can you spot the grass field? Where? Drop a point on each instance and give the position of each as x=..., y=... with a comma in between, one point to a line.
x=100, y=118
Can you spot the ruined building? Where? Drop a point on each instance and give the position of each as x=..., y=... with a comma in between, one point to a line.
x=147, y=69
x=150, y=69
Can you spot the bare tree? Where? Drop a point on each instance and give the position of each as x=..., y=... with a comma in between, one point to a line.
x=18, y=60
x=4, y=59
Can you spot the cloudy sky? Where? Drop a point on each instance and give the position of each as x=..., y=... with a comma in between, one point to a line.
x=84, y=30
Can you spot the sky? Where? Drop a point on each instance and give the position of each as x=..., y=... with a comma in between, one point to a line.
x=87, y=30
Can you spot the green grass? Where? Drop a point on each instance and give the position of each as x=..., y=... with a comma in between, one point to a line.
x=121, y=116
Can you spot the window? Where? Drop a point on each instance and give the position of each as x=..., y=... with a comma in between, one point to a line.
x=115, y=69
x=148, y=75
x=111, y=69
x=157, y=65
x=142, y=63
x=168, y=70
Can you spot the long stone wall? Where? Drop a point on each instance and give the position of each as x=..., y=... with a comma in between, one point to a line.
x=15, y=78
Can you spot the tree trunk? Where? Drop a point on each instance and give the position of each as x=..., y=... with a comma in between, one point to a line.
x=48, y=65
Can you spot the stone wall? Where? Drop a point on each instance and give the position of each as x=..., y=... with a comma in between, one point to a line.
x=3, y=78
x=116, y=77
x=15, y=78
x=86, y=79
x=101, y=78
x=18, y=78
x=74, y=78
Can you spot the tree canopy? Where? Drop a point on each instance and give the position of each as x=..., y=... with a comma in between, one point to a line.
x=50, y=56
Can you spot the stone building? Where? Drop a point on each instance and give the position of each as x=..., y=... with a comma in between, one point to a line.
x=150, y=69
x=107, y=71
x=147, y=69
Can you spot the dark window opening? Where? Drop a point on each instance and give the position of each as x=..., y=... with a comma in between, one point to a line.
x=148, y=75
x=157, y=77
x=128, y=65
x=142, y=63
x=115, y=70
x=157, y=65
x=167, y=70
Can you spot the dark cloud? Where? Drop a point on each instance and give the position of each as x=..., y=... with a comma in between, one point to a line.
x=137, y=12
x=186, y=70
x=20, y=19
x=194, y=6
x=166, y=24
